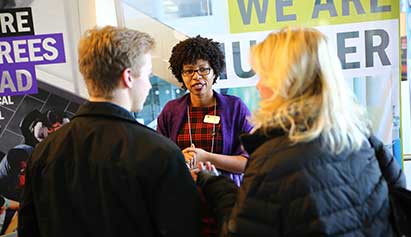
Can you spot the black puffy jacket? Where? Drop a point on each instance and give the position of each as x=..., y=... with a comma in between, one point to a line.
x=389, y=167
x=302, y=190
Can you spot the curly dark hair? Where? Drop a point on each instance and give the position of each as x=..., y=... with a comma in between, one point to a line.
x=190, y=50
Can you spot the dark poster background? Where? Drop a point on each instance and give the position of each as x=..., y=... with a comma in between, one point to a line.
x=11, y=115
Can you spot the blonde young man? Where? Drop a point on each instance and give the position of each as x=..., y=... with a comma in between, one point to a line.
x=105, y=174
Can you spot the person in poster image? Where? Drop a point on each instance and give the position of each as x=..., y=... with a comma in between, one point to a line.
x=314, y=168
x=35, y=126
x=105, y=174
x=6, y=4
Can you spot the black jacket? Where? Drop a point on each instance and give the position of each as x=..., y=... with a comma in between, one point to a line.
x=302, y=190
x=390, y=169
x=106, y=175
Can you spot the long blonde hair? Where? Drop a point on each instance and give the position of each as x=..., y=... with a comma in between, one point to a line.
x=310, y=96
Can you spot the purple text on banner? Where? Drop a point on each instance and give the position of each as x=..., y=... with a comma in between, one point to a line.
x=32, y=49
x=20, y=54
x=18, y=80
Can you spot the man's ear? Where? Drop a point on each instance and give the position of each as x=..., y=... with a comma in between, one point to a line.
x=126, y=78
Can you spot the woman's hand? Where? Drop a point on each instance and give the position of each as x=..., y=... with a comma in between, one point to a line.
x=190, y=156
x=202, y=155
x=194, y=155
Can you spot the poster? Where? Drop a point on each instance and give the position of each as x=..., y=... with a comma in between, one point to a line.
x=38, y=81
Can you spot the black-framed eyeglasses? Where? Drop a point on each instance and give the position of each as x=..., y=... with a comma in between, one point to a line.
x=204, y=71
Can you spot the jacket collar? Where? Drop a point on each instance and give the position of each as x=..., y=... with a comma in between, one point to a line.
x=252, y=141
x=104, y=109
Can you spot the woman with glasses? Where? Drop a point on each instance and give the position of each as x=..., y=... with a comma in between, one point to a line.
x=205, y=124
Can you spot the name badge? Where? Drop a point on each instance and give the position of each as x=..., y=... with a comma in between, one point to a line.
x=211, y=119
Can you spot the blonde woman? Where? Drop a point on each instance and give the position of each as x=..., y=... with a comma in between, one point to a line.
x=312, y=171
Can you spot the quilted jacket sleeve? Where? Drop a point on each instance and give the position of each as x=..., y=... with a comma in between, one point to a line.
x=389, y=167
x=238, y=211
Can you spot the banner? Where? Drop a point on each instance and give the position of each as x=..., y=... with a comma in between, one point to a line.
x=262, y=15
x=365, y=35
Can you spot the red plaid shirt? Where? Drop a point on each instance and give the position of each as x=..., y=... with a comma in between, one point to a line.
x=202, y=138
x=201, y=132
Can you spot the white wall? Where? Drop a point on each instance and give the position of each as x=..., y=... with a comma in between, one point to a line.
x=71, y=18
x=105, y=11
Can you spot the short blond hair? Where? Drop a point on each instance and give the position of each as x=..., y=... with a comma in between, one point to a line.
x=104, y=53
x=310, y=96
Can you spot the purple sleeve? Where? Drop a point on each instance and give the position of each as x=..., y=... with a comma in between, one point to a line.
x=244, y=126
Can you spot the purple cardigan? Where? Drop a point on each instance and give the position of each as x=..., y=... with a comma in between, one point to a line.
x=233, y=113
